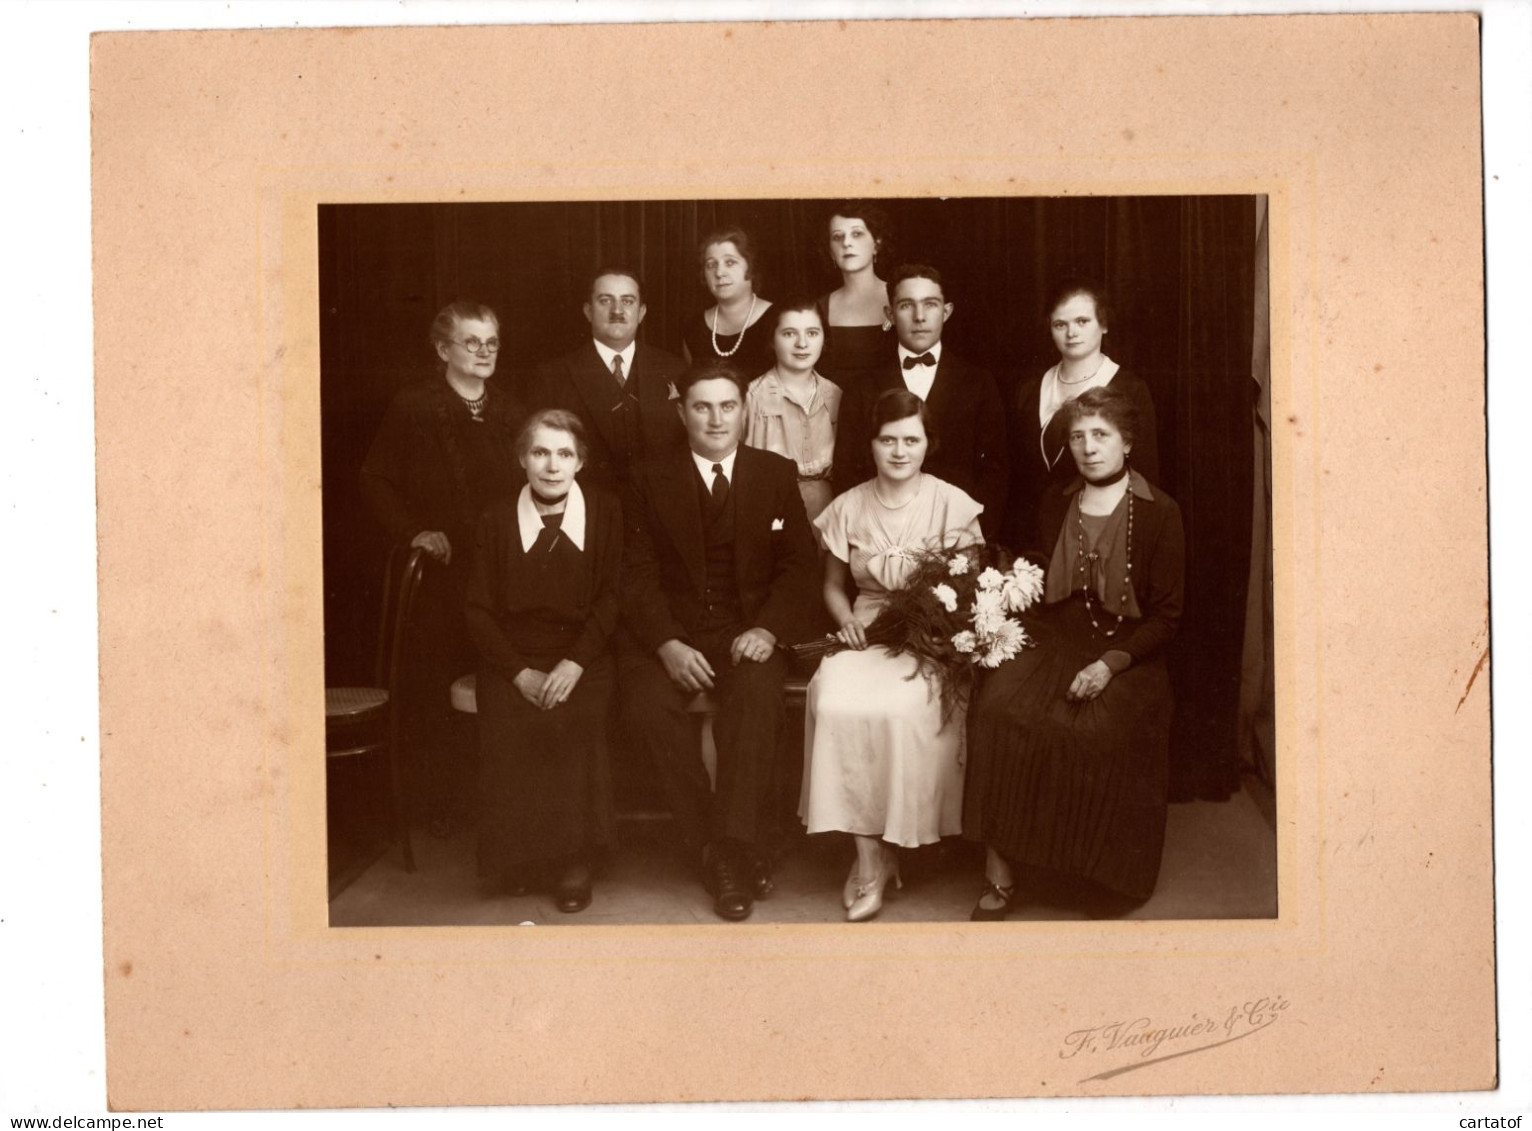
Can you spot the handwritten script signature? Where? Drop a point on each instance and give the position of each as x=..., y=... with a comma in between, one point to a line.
x=1154, y=1043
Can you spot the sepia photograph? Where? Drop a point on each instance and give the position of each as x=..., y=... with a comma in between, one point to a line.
x=960, y=578
x=797, y=560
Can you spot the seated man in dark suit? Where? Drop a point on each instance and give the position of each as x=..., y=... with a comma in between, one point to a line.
x=720, y=568
x=620, y=388
x=963, y=400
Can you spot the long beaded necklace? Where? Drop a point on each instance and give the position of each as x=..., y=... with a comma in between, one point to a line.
x=718, y=314
x=1088, y=563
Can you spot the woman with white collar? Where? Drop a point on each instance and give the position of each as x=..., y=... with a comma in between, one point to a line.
x=1079, y=316
x=542, y=606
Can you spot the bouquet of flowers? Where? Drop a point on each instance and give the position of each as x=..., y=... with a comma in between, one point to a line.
x=957, y=612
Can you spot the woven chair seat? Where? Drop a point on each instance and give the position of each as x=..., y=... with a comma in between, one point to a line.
x=341, y=703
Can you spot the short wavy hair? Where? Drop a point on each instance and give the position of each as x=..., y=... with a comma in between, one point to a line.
x=1112, y=405
x=557, y=419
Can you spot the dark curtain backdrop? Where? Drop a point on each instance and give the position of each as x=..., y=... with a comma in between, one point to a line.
x=1181, y=270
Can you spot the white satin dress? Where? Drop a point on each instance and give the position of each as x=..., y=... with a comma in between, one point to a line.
x=878, y=760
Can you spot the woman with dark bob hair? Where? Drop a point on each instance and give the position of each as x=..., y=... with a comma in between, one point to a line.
x=791, y=409
x=542, y=606
x=728, y=329
x=1068, y=764
x=859, y=335
x=880, y=759
x=1079, y=316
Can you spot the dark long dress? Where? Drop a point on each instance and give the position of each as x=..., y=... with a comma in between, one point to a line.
x=1079, y=788
x=854, y=355
x=433, y=466
x=545, y=777
x=753, y=358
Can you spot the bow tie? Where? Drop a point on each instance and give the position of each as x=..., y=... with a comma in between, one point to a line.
x=923, y=359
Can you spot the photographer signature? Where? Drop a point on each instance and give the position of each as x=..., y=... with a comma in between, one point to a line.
x=1157, y=1043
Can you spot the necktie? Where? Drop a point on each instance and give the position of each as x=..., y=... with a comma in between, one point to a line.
x=720, y=486
x=617, y=370
x=923, y=359
x=548, y=536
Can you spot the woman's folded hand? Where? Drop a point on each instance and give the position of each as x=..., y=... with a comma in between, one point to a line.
x=1089, y=682
x=530, y=684
x=560, y=683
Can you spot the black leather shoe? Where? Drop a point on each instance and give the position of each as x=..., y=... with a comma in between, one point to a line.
x=726, y=882
x=762, y=883
x=1005, y=896
x=572, y=898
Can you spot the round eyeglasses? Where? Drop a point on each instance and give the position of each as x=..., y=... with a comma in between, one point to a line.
x=473, y=345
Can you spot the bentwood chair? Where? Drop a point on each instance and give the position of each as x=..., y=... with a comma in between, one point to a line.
x=365, y=720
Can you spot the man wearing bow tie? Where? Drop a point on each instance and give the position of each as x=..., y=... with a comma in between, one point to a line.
x=619, y=388
x=969, y=418
x=720, y=569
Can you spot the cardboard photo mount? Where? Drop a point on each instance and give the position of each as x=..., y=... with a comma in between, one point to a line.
x=225, y=986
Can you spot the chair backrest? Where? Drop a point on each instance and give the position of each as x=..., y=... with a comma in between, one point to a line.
x=401, y=583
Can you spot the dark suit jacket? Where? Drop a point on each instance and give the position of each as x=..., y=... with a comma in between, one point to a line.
x=969, y=419
x=775, y=562
x=623, y=424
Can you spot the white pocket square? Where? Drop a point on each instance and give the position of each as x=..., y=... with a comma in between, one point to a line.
x=778, y=523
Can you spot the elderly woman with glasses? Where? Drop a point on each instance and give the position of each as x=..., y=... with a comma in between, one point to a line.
x=446, y=450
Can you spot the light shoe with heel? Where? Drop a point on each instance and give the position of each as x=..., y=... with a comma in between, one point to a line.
x=869, y=892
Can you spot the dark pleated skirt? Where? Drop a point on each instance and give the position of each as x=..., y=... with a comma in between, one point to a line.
x=545, y=778
x=1076, y=788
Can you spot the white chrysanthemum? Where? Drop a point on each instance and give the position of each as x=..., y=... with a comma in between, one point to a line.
x=988, y=611
x=991, y=578
x=965, y=642
x=947, y=596
x=959, y=565
x=1008, y=639
x=1023, y=586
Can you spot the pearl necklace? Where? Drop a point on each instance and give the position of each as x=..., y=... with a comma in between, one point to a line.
x=1088, y=561
x=718, y=314
x=894, y=506
x=1079, y=380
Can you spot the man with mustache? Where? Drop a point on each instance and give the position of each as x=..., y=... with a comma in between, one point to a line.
x=620, y=388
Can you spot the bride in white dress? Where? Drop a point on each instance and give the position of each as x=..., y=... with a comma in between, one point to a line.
x=879, y=761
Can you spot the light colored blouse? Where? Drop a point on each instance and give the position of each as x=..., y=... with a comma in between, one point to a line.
x=804, y=433
x=880, y=543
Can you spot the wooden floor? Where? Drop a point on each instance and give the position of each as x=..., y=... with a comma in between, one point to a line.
x=1219, y=863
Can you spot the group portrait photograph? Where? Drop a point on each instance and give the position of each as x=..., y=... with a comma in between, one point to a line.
x=858, y=560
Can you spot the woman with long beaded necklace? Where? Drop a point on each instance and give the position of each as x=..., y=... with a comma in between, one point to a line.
x=732, y=327
x=1069, y=762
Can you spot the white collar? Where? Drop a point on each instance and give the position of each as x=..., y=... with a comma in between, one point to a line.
x=1054, y=393
x=705, y=467
x=530, y=523
x=607, y=353
x=935, y=351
